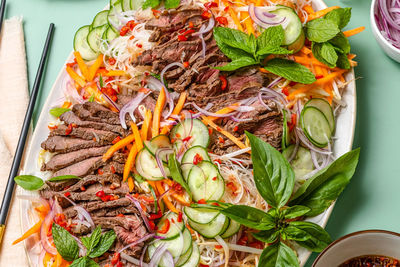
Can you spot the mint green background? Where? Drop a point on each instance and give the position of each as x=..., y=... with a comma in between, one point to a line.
x=371, y=201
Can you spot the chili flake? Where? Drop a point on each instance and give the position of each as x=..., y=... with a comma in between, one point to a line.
x=222, y=20
x=116, y=140
x=197, y=159
x=111, y=61
x=186, y=64
x=224, y=82
x=67, y=194
x=210, y=5
x=124, y=30
x=206, y=15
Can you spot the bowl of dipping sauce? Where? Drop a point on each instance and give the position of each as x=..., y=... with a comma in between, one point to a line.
x=385, y=24
x=370, y=248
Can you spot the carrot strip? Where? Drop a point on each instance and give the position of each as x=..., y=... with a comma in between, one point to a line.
x=130, y=161
x=82, y=65
x=306, y=50
x=146, y=124
x=307, y=61
x=66, y=104
x=153, y=184
x=47, y=258
x=33, y=230
x=115, y=73
x=167, y=202
x=247, y=22
x=180, y=199
x=178, y=108
x=351, y=56
x=233, y=16
x=222, y=111
x=138, y=138
x=308, y=9
x=303, y=89
x=321, y=13
x=353, y=31
x=76, y=77
x=328, y=78
x=96, y=65
x=259, y=2
x=117, y=146
x=157, y=113
x=209, y=122
x=131, y=184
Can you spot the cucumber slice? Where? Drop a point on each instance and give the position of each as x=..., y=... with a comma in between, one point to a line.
x=285, y=133
x=205, y=182
x=146, y=165
x=175, y=226
x=302, y=162
x=136, y=4
x=160, y=141
x=325, y=108
x=126, y=5
x=201, y=215
x=297, y=45
x=100, y=19
x=113, y=2
x=232, y=229
x=94, y=37
x=81, y=44
x=294, y=27
x=185, y=257
x=189, y=155
x=194, y=258
x=187, y=241
x=112, y=18
x=173, y=246
x=212, y=229
x=194, y=128
x=110, y=34
x=315, y=126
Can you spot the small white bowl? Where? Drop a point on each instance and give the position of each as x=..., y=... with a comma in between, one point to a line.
x=389, y=49
x=369, y=242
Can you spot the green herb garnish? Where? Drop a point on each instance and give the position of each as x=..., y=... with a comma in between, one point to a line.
x=155, y=3
x=57, y=112
x=29, y=182
x=63, y=178
x=176, y=175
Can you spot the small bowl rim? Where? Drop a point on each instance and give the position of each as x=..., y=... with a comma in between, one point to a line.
x=376, y=231
x=375, y=28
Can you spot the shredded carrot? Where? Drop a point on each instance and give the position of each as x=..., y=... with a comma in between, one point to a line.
x=157, y=113
x=351, y=56
x=178, y=108
x=33, y=230
x=115, y=73
x=82, y=65
x=329, y=78
x=298, y=91
x=305, y=50
x=321, y=13
x=353, y=31
x=47, y=258
x=222, y=131
x=233, y=15
x=59, y=260
x=146, y=124
x=138, y=138
x=308, y=9
x=153, y=184
x=180, y=199
x=76, y=77
x=167, y=202
x=117, y=146
x=245, y=17
x=66, y=104
x=131, y=184
x=259, y=2
x=309, y=60
x=130, y=161
x=96, y=65
x=222, y=111
x=263, y=70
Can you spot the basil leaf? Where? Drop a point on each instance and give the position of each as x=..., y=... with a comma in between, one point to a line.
x=321, y=30
x=57, y=112
x=340, y=16
x=63, y=178
x=278, y=254
x=91, y=241
x=106, y=241
x=273, y=175
x=267, y=236
x=171, y=3
x=234, y=38
x=341, y=41
x=175, y=170
x=325, y=186
x=29, y=182
x=343, y=62
x=250, y=217
x=84, y=262
x=295, y=212
x=238, y=63
x=65, y=243
x=290, y=70
x=150, y=3
x=309, y=235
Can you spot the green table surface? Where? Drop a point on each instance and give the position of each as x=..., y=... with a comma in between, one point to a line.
x=371, y=199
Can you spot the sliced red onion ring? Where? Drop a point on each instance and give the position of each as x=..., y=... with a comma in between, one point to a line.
x=203, y=30
x=169, y=259
x=274, y=93
x=235, y=119
x=262, y=18
x=142, y=256
x=160, y=164
x=205, y=112
x=85, y=214
x=44, y=238
x=309, y=145
x=130, y=107
x=141, y=211
x=141, y=240
x=156, y=257
x=133, y=260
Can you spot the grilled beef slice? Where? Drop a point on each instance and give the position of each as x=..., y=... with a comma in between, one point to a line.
x=103, y=137
x=97, y=207
x=96, y=112
x=66, y=144
x=81, y=168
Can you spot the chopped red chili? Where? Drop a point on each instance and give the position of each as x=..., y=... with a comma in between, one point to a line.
x=226, y=8
x=214, y=178
x=319, y=76
x=165, y=227
x=119, y=264
x=124, y=30
x=152, y=225
x=215, y=204
x=52, y=127
x=131, y=24
x=221, y=140
x=139, y=45
x=116, y=140
x=236, y=128
x=111, y=61
x=210, y=4
x=182, y=38
x=100, y=171
x=210, y=131
x=285, y=91
x=218, y=246
x=191, y=24
x=69, y=129
x=83, y=188
x=112, y=168
x=116, y=258
x=155, y=216
x=100, y=193
x=120, y=215
x=180, y=215
x=206, y=15
x=218, y=160
x=67, y=194
x=243, y=240
x=197, y=159
x=186, y=64
x=186, y=139
x=202, y=201
x=224, y=82
x=222, y=20
x=292, y=83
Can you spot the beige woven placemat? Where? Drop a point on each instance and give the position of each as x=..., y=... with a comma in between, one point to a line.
x=14, y=92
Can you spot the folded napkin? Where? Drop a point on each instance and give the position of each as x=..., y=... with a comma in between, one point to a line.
x=14, y=91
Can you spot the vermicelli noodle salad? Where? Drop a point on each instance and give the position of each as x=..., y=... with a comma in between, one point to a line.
x=194, y=134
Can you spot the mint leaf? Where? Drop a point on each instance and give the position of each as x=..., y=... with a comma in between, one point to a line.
x=341, y=41
x=343, y=62
x=273, y=175
x=65, y=243
x=29, y=182
x=238, y=63
x=57, y=112
x=290, y=70
x=271, y=37
x=175, y=170
x=91, y=241
x=278, y=254
x=319, y=54
x=150, y=3
x=340, y=16
x=273, y=51
x=309, y=235
x=171, y=3
x=63, y=178
x=328, y=53
x=250, y=217
x=321, y=30
x=234, y=38
x=84, y=262
x=106, y=241
x=233, y=53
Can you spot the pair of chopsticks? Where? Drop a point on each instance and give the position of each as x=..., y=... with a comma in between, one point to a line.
x=7, y=198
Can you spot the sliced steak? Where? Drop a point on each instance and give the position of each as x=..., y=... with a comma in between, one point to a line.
x=104, y=179
x=96, y=112
x=66, y=144
x=81, y=168
x=59, y=186
x=97, y=207
x=103, y=137
x=113, y=167
x=60, y=161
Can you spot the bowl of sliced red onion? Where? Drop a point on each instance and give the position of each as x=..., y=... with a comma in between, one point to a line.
x=385, y=23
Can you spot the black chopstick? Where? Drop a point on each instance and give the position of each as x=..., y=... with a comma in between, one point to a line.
x=2, y=10
x=8, y=194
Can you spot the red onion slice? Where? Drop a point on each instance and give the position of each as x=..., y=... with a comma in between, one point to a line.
x=156, y=257
x=85, y=214
x=205, y=112
x=141, y=240
x=262, y=18
x=130, y=107
x=203, y=30
x=141, y=211
x=44, y=238
x=159, y=160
